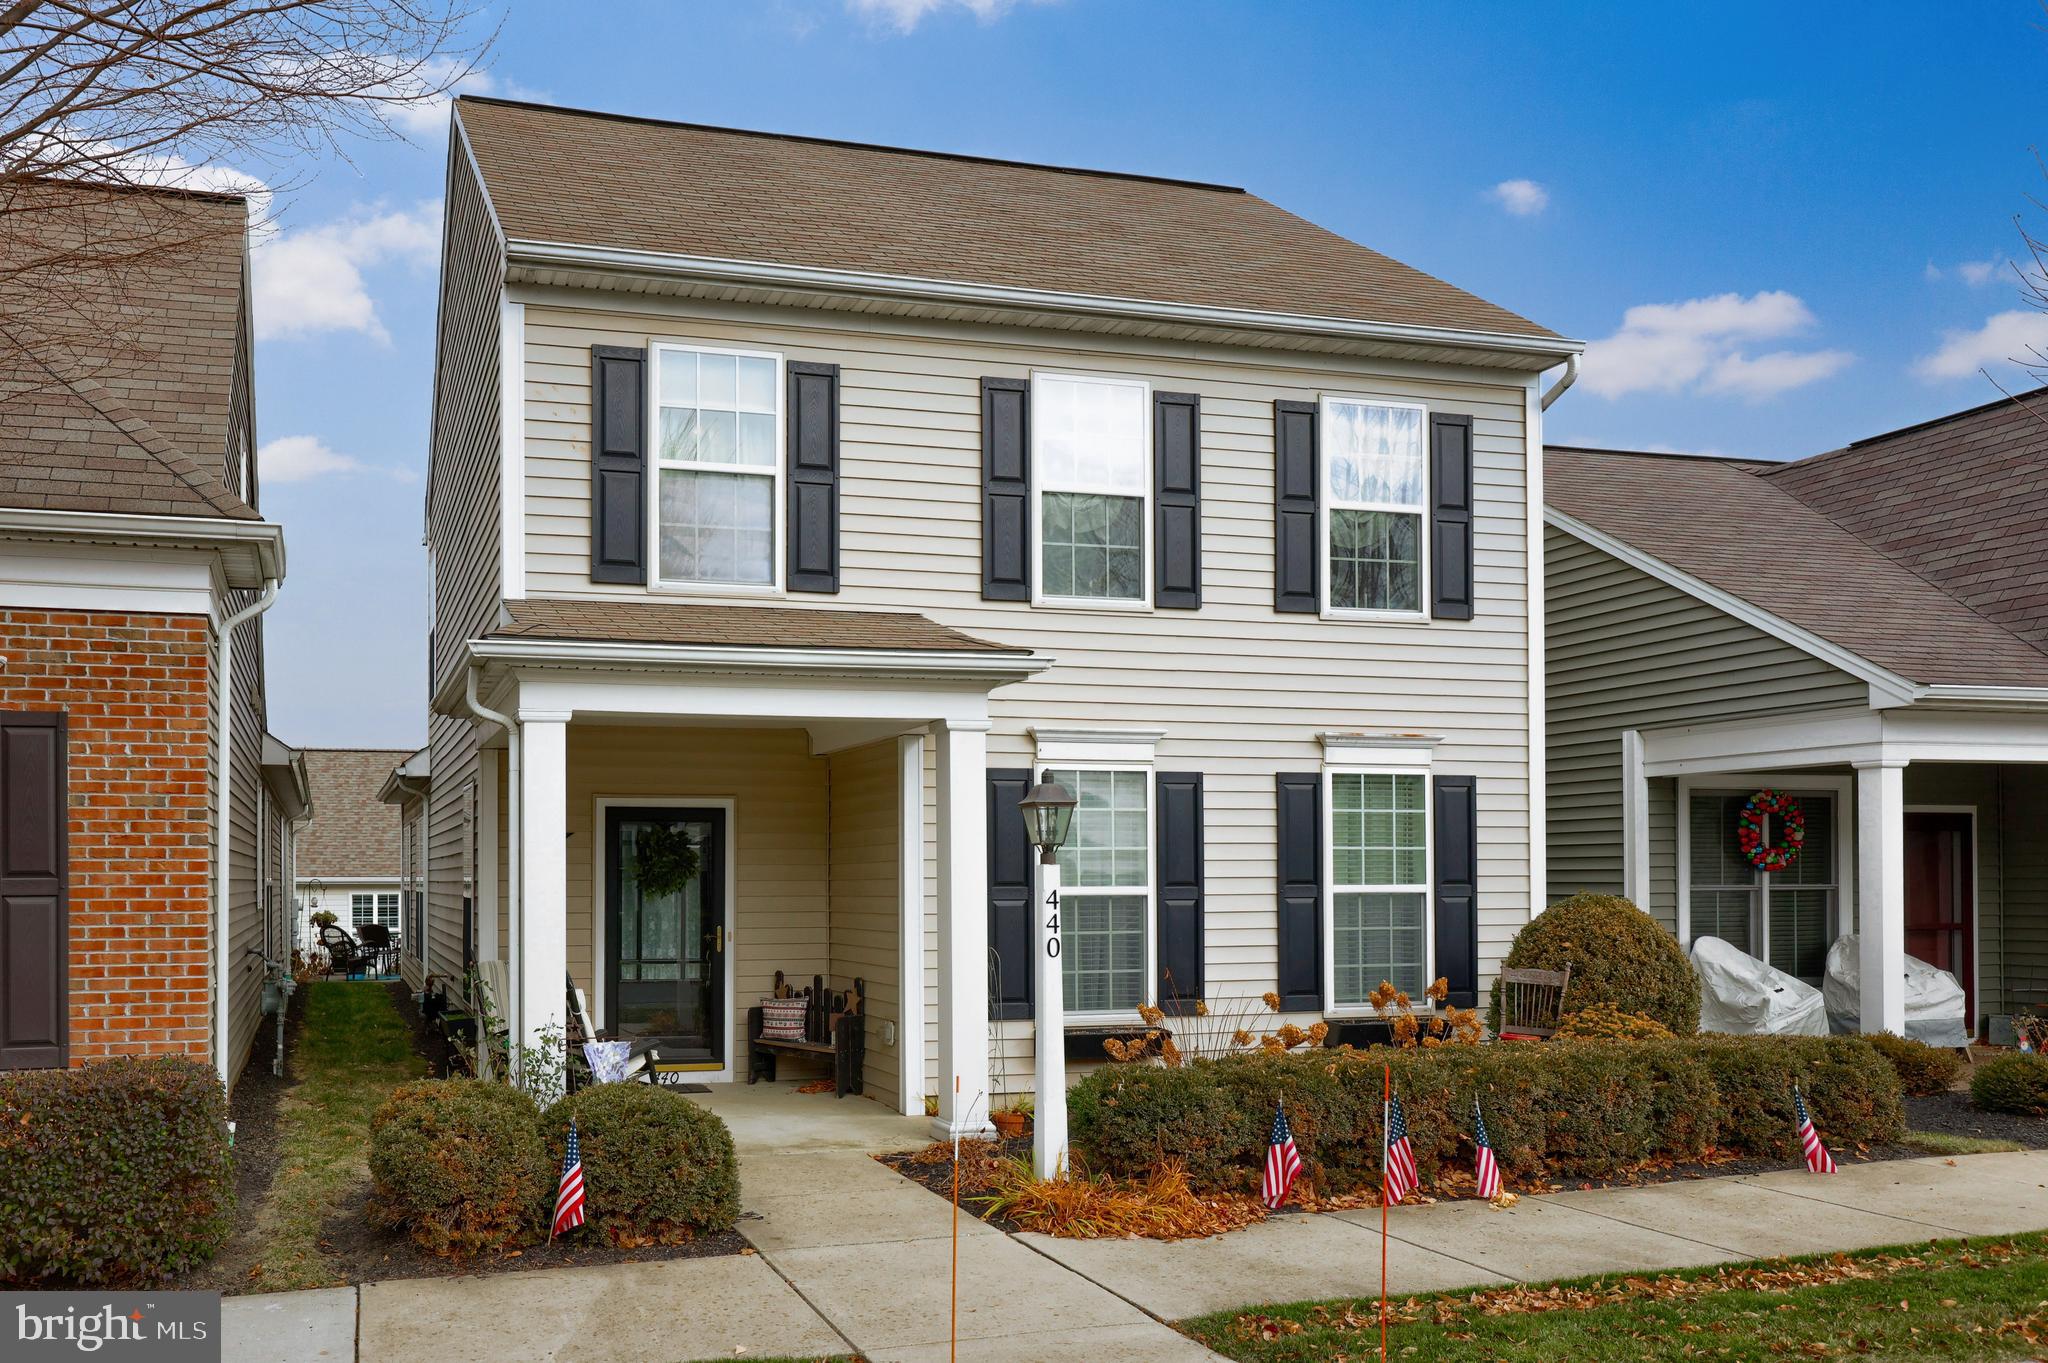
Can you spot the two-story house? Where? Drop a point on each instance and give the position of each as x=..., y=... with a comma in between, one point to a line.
x=812, y=497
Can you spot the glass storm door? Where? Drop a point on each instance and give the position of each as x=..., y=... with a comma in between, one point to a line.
x=665, y=953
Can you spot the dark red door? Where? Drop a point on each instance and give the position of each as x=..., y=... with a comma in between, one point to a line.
x=34, y=945
x=1940, y=894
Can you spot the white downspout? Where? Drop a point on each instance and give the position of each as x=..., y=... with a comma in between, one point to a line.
x=224, y=862
x=513, y=848
x=1570, y=377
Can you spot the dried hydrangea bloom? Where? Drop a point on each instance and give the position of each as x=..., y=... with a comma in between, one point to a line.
x=1201, y=1009
x=1169, y=1052
x=1439, y=990
x=1271, y=1000
x=1240, y=1037
x=1318, y=1033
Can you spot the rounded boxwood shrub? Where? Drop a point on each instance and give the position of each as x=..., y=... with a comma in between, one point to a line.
x=1924, y=1070
x=657, y=1168
x=1618, y=955
x=460, y=1166
x=2012, y=1083
x=114, y=1174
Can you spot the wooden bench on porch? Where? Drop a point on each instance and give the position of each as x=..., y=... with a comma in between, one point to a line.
x=835, y=1029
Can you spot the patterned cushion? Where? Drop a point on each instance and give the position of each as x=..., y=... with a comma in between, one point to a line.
x=783, y=1019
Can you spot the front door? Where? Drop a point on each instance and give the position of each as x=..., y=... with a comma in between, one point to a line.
x=665, y=946
x=1940, y=863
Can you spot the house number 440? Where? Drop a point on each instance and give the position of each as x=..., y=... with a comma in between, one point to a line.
x=1052, y=924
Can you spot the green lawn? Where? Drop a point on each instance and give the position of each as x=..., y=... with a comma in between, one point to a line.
x=1975, y=1299
x=352, y=1050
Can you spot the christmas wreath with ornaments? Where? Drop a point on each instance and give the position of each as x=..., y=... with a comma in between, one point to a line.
x=1753, y=830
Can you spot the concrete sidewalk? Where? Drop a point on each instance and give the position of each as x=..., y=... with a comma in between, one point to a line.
x=853, y=1258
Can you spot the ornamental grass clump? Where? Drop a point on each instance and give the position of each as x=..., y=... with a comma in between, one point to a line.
x=1158, y=1206
x=657, y=1168
x=1618, y=955
x=460, y=1166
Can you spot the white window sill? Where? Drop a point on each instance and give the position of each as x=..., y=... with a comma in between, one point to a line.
x=742, y=590
x=1100, y=605
x=1378, y=617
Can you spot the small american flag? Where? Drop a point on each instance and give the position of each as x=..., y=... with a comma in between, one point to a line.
x=1283, y=1161
x=1818, y=1160
x=1401, y=1178
x=1487, y=1167
x=569, y=1197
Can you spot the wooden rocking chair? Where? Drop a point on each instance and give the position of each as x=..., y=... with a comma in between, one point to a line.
x=1532, y=1002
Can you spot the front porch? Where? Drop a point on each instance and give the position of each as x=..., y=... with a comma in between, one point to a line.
x=1927, y=835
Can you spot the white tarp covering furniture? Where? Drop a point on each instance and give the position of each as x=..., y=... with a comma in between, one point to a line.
x=1743, y=996
x=1935, y=1005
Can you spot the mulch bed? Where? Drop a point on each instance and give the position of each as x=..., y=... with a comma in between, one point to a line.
x=938, y=1178
x=1950, y=1114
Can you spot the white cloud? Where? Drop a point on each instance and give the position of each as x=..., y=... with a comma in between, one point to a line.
x=906, y=15
x=2018, y=336
x=1523, y=198
x=1975, y=273
x=311, y=280
x=1697, y=345
x=303, y=458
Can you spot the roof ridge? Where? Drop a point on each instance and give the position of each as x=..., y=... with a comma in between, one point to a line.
x=885, y=147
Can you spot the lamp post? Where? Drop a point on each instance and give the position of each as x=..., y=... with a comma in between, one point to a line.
x=1048, y=810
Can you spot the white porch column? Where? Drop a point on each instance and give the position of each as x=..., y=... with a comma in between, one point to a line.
x=543, y=904
x=1881, y=893
x=485, y=890
x=1635, y=822
x=963, y=927
x=910, y=943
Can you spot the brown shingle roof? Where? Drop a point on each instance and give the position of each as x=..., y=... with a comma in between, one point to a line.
x=145, y=429
x=570, y=176
x=1962, y=501
x=683, y=622
x=1724, y=524
x=349, y=834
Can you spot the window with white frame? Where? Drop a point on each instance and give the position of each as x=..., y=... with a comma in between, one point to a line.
x=1787, y=916
x=718, y=459
x=1091, y=458
x=1379, y=883
x=378, y=907
x=1375, y=480
x=1106, y=890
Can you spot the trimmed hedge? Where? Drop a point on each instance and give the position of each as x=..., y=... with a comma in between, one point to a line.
x=657, y=1168
x=1557, y=1109
x=460, y=1165
x=114, y=1174
x=1924, y=1070
x=2012, y=1083
x=1618, y=955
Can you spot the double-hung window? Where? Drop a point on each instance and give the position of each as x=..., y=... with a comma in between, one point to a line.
x=1106, y=890
x=380, y=908
x=1091, y=458
x=1787, y=917
x=1379, y=883
x=718, y=458
x=1375, y=481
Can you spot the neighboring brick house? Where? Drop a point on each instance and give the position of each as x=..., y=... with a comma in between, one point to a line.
x=348, y=851
x=134, y=567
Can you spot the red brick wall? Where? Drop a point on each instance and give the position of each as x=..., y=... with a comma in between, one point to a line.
x=134, y=688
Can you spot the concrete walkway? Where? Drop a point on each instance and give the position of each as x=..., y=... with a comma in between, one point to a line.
x=853, y=1258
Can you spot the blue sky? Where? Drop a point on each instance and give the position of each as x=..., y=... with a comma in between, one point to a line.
x=1781, y=227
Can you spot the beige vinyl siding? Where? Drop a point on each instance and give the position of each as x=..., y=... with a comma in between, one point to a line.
x=1627, y=651
x=779, y=919
x=865, y=907
x=1240, y=690
x=463, y=510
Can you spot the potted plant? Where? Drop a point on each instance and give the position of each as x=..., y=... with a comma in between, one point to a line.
x=1012, y=1119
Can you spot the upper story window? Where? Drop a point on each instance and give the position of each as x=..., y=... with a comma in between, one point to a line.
x=1379, y=883
x=718, y=450
x=1091, y=458
x=1373, y=457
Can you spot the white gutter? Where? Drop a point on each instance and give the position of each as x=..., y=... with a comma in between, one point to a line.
x=222, y=840
x=561, y=255
x=263, y=539
x=1569, y=377
x=513, y=849
x=747, y=658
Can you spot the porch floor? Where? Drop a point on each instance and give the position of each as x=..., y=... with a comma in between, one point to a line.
x=771, y=1119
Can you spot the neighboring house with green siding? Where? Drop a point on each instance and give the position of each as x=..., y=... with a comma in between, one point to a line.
x=1865, y=631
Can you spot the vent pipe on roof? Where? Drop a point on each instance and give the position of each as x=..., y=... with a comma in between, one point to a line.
x=1571, y=376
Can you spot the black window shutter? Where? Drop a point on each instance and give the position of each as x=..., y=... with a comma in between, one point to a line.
x=1009, y=896
x=1457, y=887
x=1297, y=573
x=1450, y=537
x=35, y=996
x=813, y=477
x=1177, y=500
x=1301, y=890
x=618, y=464
x=1179, y=819
x=1005, y=490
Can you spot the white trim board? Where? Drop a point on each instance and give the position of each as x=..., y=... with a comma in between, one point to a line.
x=599, y=912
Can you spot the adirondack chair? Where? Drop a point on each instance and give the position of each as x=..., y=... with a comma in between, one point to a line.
x=1532, y=1002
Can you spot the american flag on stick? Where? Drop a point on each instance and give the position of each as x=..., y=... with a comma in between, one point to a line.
x=569, y=1196
x=1398, y=1158
x=1485, y=1165
x=1818, y=1160
x=1283, y=1161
